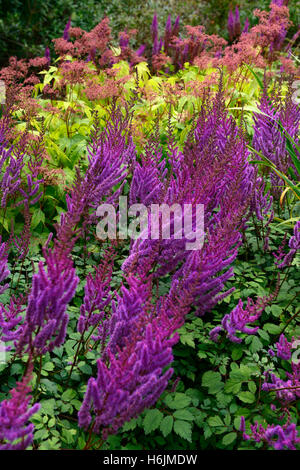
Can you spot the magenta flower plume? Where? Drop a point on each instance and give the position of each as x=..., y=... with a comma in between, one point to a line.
x=286, y=390
x=66, y=34
x=133, y=381
x=238, y=319
x=230, y=25
x=46, y=318
x=294, y=245
x=16, y=432
x=4, y=271
x=48, y=55
x=276, y=436
x=284, y=348
x=96, y=295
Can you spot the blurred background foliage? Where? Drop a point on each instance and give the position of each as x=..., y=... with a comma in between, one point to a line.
x=28, y=26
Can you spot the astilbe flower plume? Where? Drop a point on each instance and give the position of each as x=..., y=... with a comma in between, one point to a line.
x=234, y=24
x=96, y=294
x=284, y=260
x=4, y=271
x=284, y=348
x=109, y=154
x=275, y=120
x=16, y=432
x=46, y=319
x=238, y=319
x=135, y=378
x=277, y=436
x=203, y=174
x=10, y=315
x=286, y=390
x=11, y=321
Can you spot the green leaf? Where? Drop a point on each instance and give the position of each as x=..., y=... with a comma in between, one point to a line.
x=183, y=429
x=232, y=386
x=68, y=395
x=212, y=380
x=68, y=435
x=184, y=414
x=215, y=421
x=48, y=406
x=50, y=386
x=179, y=401
x=41, y=434
x=246, y=397
x=272, y=329
x=237, y=423
x=37, y=217
x=229, y=438
x=48, y=366
x=166, y=425
x=256, y=344
x=152, y=420
x=237, y=353
x=85, y=368
x=252, y=387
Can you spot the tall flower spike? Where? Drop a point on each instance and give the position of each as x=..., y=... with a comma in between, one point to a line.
x=66, y=34
x=284, y=348
x=133, y=381
x=96, y=294
x=11, y=321
x=4, y=271
x=294, y=245
x=16, y=432
x=46, y=318
x=238, y=319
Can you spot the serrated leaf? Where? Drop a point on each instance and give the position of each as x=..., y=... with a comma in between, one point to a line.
x=179, y=401
x=50, y=386
x=37, y=217
x=68, y=395
x=183, y=429
x=229, y=438
x=256, y=344
x=232, y=386
x=166, y=425
x=85, y=368
x=215, y=421
x=246, y=397
x=237, y=353
x=272, y=329
x=48, y=406
x=152, y=420
x=184, y=414
x=49, y=366
x=252, y=387
x=212, y=380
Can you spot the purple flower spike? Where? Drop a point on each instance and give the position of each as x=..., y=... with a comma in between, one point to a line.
x=284, y=348
x=16, y=433
x=66, y=34
x=47, y=55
